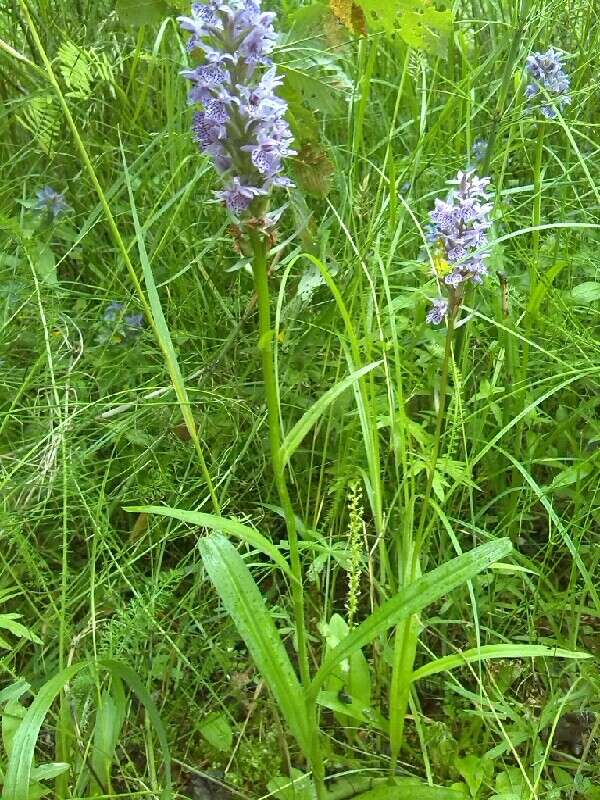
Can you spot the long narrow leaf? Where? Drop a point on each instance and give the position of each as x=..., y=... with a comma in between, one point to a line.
x=490, y=651
x=18, y=773
x=20, y=765
x=410, y=600
x=302, y=427
x=245, y=605
x=220, y=524
x=129, y=676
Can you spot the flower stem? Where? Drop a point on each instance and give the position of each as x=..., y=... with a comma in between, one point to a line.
x=407, y=632
x=265, y=344
x=537, y=209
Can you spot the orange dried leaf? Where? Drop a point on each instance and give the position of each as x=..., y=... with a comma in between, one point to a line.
x=350, y=14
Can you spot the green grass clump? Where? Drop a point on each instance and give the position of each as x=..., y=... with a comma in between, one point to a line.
x=125, y=665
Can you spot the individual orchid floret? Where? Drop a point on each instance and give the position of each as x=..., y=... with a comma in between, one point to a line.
x=438, y=311
x=550, y=84
x=238, y=197
x=241, y=125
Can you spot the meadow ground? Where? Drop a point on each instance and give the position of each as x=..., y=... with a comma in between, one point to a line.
x=310, y=628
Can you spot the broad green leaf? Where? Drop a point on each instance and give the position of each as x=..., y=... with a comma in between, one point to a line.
x=246, y=607
x=220, y=524
x=107, y=727
x=20, y=765
x=419, y=22
x=297, y=787
x=320, y=94
x=586, y=292
x=380, y=13
x=293, y=439
x=569, y=476
x=141, y=12
x=14, y=691
x=410, y=789
x=45, y=266
x=490, y=651
x=410, y=600
x=353, y=679
x=217, y=731
x=46, y=772
x=12, y=714
x=9, y=623
x=474, y=769
x=424, y=27
x=353, y=709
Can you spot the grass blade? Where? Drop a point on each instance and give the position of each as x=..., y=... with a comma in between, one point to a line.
x=490, y=651
x=302, y=427
x=220, y=524
x=164, y=337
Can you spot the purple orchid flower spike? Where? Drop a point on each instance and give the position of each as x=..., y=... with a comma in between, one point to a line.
x=549, y=82
x=459, y=233
x=242, y=124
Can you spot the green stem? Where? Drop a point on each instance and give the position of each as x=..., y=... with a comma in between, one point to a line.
x=407, y=632
x=439, y=425
x=536, y=216
x=506, y=83
x=265, y=344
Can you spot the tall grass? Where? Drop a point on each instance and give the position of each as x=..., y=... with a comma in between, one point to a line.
x=125, y=657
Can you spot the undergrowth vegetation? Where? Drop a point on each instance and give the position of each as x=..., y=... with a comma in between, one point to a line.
x=300, y=489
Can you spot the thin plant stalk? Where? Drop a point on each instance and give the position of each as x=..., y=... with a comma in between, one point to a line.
x=407, y=632
x=265, y=343
x=536, y=216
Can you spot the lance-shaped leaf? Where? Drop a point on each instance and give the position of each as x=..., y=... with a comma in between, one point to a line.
x=244, y=604
x=490, y=651
x=410, y=600
x=220, y=524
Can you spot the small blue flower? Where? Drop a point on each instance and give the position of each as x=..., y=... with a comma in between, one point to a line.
x=112, y=312
x=548, y=75
x=479, y=149
x=242, y=124
x=133, y=325
x=127, y=327
x=51, y=201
